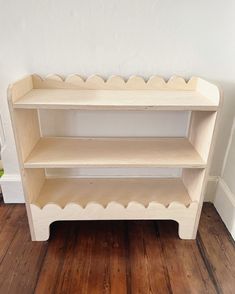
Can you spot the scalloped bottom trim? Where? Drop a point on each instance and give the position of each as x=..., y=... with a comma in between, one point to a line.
x=42, y=218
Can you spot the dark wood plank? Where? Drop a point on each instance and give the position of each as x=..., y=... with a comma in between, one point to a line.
x=54, y=258
x=115, y=257
x=118, y=259
x=148, y=271
x=218, y=249
x=78, y=259
x=72, y=265
x=93, y=260
x=186, y=268
x=107, y=266
x=10, y=215
x=99, y=275
x=21, y=264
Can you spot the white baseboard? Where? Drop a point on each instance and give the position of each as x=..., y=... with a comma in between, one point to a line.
x=12, y=189
x=225, y=205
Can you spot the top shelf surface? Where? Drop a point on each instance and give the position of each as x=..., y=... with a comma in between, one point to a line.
x=115, y=100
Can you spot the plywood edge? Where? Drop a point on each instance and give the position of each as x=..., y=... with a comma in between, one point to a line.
x=68, y=106
x=19, y=88
x=96, y=82
x=209, y=90
x=32, y=165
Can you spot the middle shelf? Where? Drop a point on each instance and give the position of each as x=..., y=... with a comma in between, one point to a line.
x=66, y=152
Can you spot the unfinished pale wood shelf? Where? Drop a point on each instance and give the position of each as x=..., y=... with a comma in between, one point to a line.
x=63, y=198
x=50, y=152
x=62, y=191
x=115, y=100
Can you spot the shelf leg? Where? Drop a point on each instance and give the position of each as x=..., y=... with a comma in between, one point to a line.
x=41, y=232
x=187, y=229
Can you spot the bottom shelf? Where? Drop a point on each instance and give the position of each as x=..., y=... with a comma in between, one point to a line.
x=105, y=191
x=112, y=199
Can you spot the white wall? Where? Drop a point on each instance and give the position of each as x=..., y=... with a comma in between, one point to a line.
x=107, y=37
x=228, y=172
x=225, y=194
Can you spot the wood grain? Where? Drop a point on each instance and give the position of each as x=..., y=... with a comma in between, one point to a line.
x=95, y=93
x=52, y=263
x=117, y=257
x=27, y=130
x=118, y=152
x=92, y=260
x=201, y=131
x=20, y=265
x=148, y=270
x=103, y=191
x=218, y=249
x=9, y=216
x=115, y=100
x=186, y=269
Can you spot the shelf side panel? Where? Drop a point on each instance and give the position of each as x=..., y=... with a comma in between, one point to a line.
x=201, y=131
x=27, y=129
x=25, y=123
x=21, y=127
x=209, y=90
x=34, y=179
x=193, y=181
x=20, y=88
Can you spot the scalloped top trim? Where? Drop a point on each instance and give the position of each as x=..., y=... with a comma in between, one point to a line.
x=114, y=82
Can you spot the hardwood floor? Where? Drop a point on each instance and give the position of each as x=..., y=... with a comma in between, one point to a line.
x=115, y=257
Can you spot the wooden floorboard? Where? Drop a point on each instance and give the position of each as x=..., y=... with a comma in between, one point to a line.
x=115, y=257
x=20, y=265
x=148, y=270
x=186, y=268
x=50, y=271
x=218, y=249
x=8, y=228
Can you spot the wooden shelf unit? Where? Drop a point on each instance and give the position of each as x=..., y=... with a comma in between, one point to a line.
x=49, y=199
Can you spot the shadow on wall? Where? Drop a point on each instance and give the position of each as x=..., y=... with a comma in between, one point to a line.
x=1, y=166
x=224, y=126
